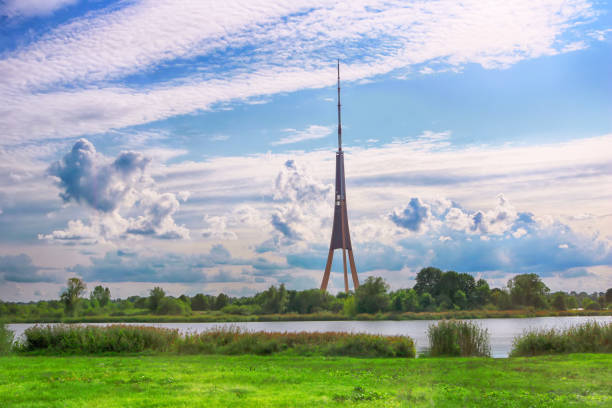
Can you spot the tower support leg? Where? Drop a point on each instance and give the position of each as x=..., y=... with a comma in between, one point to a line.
x=353, y=270
x=325, y=280
x=346, y=288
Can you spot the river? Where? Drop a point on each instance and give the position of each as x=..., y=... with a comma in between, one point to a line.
x=502, y=331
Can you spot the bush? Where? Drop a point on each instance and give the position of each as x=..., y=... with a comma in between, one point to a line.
x=98, y=339
x=590, y=337
x=122, y=338
x=172, y=306
x=458, y=338
x=6, y=339
x=233, y=340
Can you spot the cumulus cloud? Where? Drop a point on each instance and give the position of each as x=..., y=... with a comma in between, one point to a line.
x=85, y=176
x=120, y=193
x=19, y=268
x=304, y=202
x=412, y=217
x=218, y=228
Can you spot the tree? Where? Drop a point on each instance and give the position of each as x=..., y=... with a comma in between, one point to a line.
x=559, y=301
x=172, y=306
x=501, y=299
x=427, y=302
x=309, y=301
x=571, y=302
x=221, y=301
x=460, y=299
x=155, y=297
x=528, y=290
x=371, y=296
x=71, y=296
x=481, y=295
x=273, y=300
x=608, y=296
x=427, y=280
x=101, y=295
x=200, y=302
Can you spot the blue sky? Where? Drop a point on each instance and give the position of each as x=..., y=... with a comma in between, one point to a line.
x=190, y=144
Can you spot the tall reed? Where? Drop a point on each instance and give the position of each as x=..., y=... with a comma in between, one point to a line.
x=232, y=340
x=6, y=339
x=98, y=339
x=458, y=338
x=589, y=337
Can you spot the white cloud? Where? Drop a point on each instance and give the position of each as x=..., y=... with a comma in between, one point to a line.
x=30, y=8
x=119, y=192
x=311, y=132
x=58, y=87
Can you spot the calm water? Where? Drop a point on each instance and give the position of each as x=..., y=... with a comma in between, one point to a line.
x=502, y=331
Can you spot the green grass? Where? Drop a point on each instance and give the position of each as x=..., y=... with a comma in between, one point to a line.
x=589, y=337
x=579, y=380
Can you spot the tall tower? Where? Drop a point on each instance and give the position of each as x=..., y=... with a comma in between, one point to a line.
x=340, y=233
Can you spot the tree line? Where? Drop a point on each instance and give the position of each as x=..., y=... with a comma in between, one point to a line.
x=434, y=291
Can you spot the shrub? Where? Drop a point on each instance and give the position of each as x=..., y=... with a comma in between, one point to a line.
x=458, y=338
x=98, y=339
x=233, y=340
x=590, y=337
x=172, y=306
x=6, y=339
x=123, y=338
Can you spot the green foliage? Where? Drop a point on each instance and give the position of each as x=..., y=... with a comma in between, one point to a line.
x=200, y=302
x=273, y=300
x=221, y=301
x=590, y=337
x=6, y=339
x=608, y=296
x=243, y=310
x=98, y=339
x=371, y=296
x=558, y=301
x=155, y=297
x=350, y=307
x=309, y=301
x=427, y=302
x=458, y=338
x=236, y=341
x=172, y=306
x=71, y=296
x=427, y=280
x=120, y=338
x=101, y=295
x=528, y=290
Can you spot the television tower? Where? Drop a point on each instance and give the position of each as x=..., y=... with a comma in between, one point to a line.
x=340, y=232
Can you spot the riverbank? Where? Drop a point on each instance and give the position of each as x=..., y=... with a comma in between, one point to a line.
x=217, y=317
x=254, y=381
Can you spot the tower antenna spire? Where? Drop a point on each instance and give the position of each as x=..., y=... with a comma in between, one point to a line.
x=341, y=238
x=339, y=117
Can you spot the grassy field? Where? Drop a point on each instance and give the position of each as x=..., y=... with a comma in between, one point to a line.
x=251, y=381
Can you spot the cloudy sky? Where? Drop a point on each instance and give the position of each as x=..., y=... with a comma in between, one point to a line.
x=190, y=144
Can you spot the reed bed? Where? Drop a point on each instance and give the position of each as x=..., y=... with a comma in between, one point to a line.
x=589, y=337
x=232, y=341
x=6, y=339
x=458, y=338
